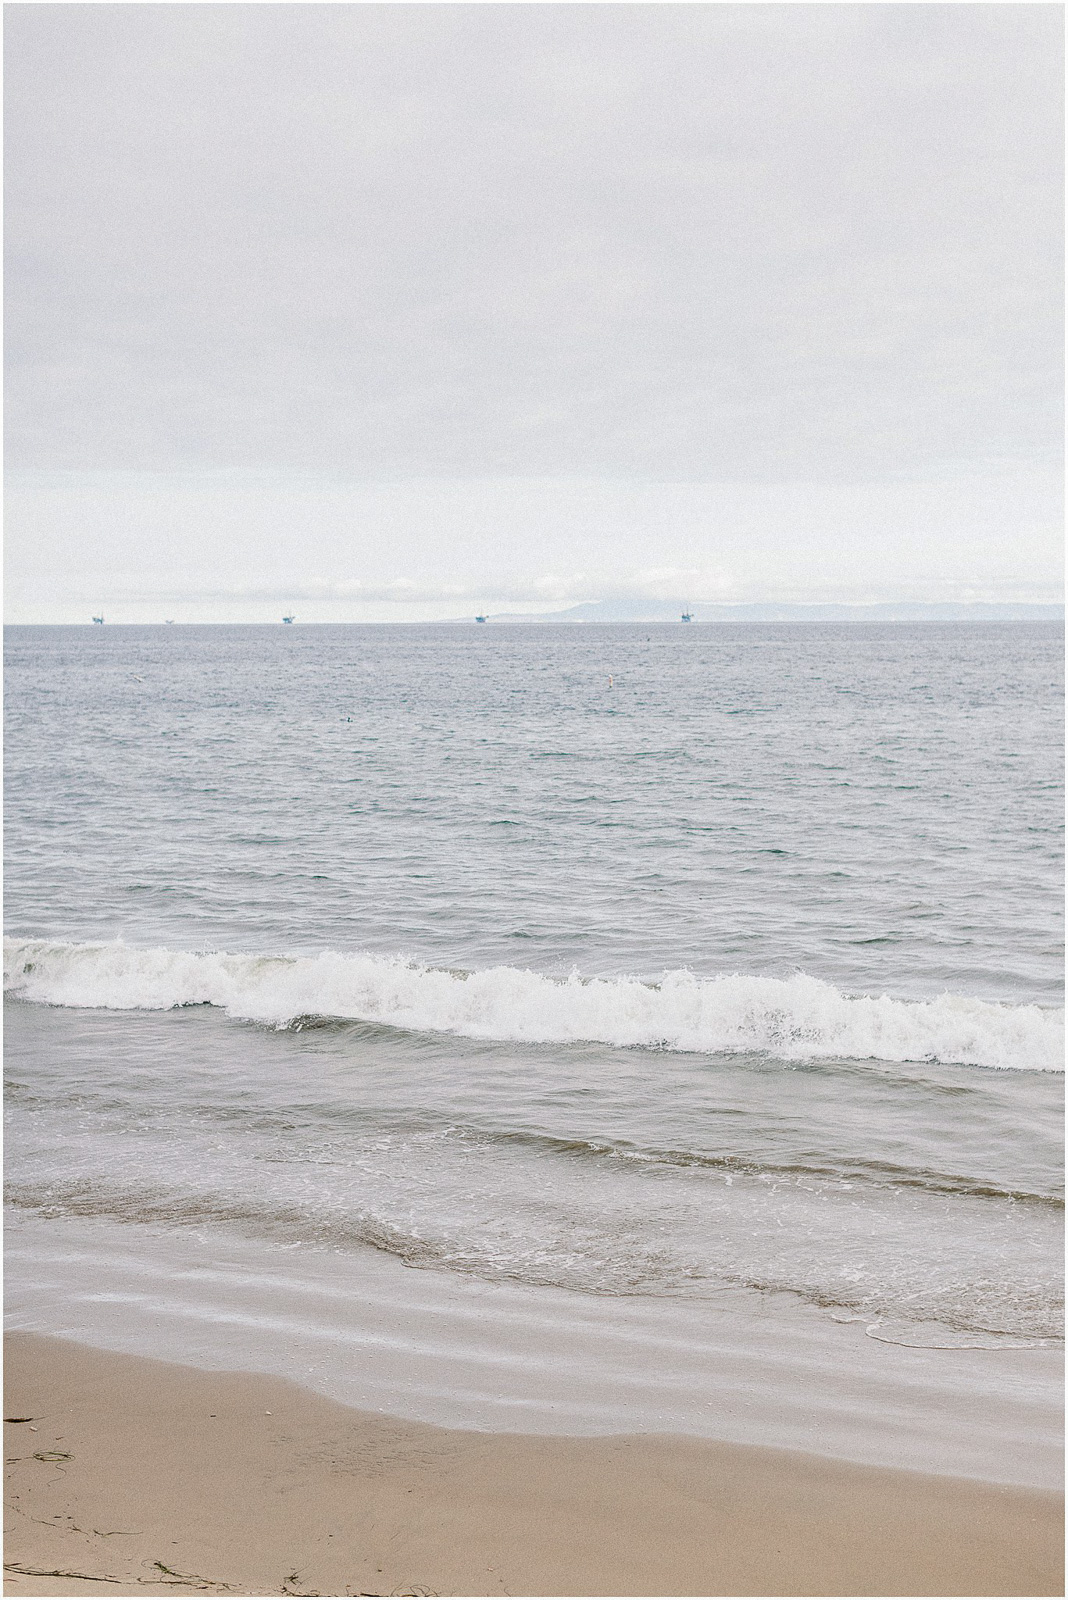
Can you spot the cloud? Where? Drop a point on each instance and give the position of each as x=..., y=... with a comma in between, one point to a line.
x=689, y=242
x=235, y=543
x=665, y=583
x=378, y=304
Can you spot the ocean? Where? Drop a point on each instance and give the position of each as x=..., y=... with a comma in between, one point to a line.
x=579, y=1028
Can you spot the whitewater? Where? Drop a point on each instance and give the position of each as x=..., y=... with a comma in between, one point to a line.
x=796, y=1019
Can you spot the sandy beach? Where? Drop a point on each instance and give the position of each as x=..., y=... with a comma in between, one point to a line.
x=128, y=1476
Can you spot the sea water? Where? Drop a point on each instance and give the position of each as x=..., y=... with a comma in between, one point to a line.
x=698, y=981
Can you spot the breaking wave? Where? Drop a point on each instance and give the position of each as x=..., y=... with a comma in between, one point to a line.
x=795, y=1019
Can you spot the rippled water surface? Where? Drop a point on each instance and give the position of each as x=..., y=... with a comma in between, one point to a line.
x=740, y=972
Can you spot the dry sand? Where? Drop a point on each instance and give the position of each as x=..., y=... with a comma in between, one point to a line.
x=137, y=1477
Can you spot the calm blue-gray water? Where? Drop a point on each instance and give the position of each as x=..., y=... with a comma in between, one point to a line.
x=639, y=960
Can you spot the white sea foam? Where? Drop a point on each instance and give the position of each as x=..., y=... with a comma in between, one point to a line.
x=797, y=1019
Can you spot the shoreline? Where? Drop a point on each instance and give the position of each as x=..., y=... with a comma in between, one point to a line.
x=361, y=1328
x=144, y=1476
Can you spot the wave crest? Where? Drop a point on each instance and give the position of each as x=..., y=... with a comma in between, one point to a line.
x=795, y=1019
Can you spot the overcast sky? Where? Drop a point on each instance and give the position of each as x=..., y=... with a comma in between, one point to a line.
x=390, y=311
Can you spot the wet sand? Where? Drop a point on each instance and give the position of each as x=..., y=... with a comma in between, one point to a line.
x=135, y=1476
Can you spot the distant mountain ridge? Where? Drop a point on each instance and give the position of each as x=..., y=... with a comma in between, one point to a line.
x=893, y=611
